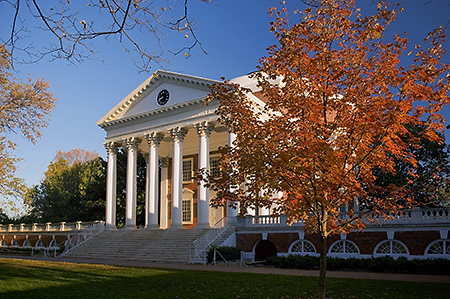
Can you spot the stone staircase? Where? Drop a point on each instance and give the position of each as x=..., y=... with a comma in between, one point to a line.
x=143, y=245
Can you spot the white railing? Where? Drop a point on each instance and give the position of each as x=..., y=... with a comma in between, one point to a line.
x=47, y=227
x=199, y=249
x=434, y=214
x=86, y=233
x=410, y=217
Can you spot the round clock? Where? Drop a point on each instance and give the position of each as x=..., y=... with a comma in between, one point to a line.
x=163, y=97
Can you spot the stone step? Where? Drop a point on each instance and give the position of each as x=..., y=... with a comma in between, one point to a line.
x=148, y=245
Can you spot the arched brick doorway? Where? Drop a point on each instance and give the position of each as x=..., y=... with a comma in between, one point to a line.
x=264, y=249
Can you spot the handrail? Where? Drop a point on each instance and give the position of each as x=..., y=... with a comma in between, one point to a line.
x=47, y=227
x=198, y=249
x=406, y=216
x=83, y=236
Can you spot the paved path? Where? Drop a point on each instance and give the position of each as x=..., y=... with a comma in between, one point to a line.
x=260, y=270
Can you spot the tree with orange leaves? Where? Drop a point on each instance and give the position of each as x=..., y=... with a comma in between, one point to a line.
x=336, y=101
x=24, y=109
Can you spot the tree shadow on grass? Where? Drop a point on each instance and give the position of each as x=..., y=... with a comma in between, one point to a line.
x=32, y=279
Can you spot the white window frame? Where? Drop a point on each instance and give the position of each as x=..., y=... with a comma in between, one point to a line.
x=210, y=158
x=187, y=196
x=445, y=249
x=344, y=254
x=303, y=252
x=192, y=170
x=390, y=242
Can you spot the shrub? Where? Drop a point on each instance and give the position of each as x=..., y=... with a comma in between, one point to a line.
x=384, y=264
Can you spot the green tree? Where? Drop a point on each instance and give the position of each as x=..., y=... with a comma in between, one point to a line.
x=429, y=179
x=121, y=187
x=70, y=192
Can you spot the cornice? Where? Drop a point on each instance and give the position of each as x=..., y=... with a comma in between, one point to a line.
x=156, y=78
x=157, y=112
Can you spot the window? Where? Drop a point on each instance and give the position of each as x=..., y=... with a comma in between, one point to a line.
x=439, y=248
x=4, y=243
x=187, y=216
x=14, y=243
x=187, y=212
x=214, y=165
x=344, y=247
x=26, y=243
x=187, y=170
x=391, y=248
x=302, y=247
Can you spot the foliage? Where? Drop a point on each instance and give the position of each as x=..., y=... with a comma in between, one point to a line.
x=37, y=279
x=122, y=187
x=74, y=189
x=336, y=101
x=71, y=28
x=70, y=192
x=24, y=109
x=383, y=264
x=428, y=180
x=228, y=252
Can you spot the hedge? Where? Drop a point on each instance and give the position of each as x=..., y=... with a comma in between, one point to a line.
x=383, y=264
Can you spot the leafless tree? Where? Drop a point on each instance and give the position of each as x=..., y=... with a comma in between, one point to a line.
x=72, y=28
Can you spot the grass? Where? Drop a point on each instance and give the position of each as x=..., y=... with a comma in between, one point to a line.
x=39, y=279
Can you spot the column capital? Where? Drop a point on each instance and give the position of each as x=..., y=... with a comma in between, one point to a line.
x=178, y=133
x=131, y=143
x=204, y=128
x=154, y=139
x=111, y=147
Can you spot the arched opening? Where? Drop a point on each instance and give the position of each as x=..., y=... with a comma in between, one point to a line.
x=264, y=249
x=302, y=247
x=26, y=243
x=39, y=244
x=392, y=248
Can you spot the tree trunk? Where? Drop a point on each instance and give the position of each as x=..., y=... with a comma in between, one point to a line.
x=323, y=267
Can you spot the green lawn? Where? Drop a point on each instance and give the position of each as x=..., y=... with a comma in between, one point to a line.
x=36, y=279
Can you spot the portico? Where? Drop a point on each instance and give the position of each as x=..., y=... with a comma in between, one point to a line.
x=166, y=118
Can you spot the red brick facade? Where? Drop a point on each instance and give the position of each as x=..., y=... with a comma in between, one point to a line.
x=415, y=241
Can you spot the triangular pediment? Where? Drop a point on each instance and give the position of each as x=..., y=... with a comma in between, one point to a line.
x=173, y=89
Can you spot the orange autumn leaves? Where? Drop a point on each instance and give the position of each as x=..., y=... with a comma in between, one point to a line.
x=337, y=116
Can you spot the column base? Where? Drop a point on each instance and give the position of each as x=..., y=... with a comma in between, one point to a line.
x=202, y=226
x=152, y=226
x=175, y=226
x=130, y=227
x=110, y=227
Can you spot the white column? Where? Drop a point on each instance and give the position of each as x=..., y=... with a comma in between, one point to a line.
x=111, y=185
x=131, y=145
x=177, y=135
x=164, y=191
x=151, y=206
x=230, y=211
x=203, y=130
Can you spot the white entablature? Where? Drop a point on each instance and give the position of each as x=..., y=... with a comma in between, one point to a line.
x=140, y=111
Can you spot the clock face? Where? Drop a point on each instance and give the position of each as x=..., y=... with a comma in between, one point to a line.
x=163, y=97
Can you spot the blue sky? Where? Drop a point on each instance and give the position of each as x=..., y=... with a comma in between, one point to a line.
x=234, y=33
